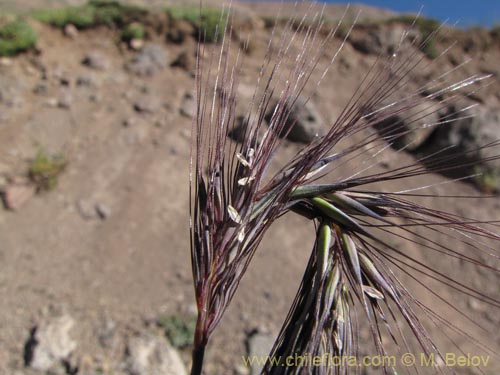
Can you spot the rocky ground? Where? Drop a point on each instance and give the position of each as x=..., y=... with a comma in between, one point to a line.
x=91, y=270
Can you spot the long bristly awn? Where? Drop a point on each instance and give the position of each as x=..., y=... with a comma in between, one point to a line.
x=353, y=277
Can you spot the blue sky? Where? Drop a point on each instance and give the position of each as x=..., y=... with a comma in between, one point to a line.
x=478, y=12
x=468, y=12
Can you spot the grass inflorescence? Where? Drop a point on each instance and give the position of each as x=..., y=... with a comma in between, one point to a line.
x=353, y=277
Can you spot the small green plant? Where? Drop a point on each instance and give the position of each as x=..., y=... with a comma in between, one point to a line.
x=94, y=13
x=426, y=27
x=16, y=36
x=82, y=17
x=115, y=13
x=213, y=21
x=45, y=169
x=424, y=24
x=179, y=330
x=133, y=31
x=430, y=49
x=487, y=180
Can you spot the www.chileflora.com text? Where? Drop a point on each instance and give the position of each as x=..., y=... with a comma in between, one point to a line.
x=406, y=360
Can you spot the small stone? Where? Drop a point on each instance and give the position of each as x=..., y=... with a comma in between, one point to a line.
x=94, y=97
x=192, y=309
x=84, y=81
x=468, y=133
x=16, y=195
x=40, y=89
x=137, y=44
x=64, y=81
x=70, y=31
x=179, y=31
x=259, y=346
x=50, y=343
x=103, y=211
x=160, y=123
x=244, y=316
x=305, y=119
x=380, y=40
x=152, y=355
x=96, y=60
x=5, y=61
x=108, y=333
x=51, y=102
x=86, y=209
x=188, y=106
x=184, y=60
x=65, y=101
x=128, y=122
x=151, y=60
x=146, y=105
x=241, y=369
x=59, y=73
x=412, y=127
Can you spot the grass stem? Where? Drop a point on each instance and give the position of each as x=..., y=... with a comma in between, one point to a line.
x=198, y=355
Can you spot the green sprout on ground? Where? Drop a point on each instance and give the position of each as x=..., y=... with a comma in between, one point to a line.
x=213, y=21
x=45, y=169
x=16, y=36
x=487, y=180
x=133, y=31
x=179, y=330
x=93, y=13
x=426, y=27
x=82, y=17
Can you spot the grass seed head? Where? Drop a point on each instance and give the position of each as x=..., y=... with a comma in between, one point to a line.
x=353, y=274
